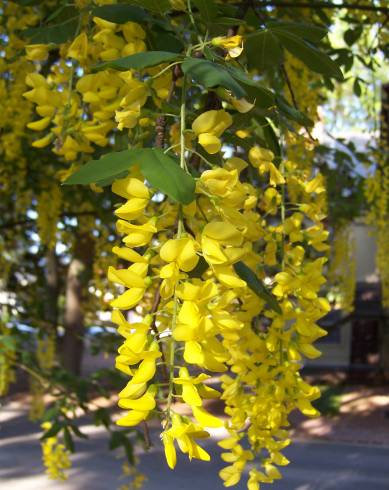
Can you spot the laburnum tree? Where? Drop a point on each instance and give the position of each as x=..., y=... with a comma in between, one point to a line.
x=159, y=159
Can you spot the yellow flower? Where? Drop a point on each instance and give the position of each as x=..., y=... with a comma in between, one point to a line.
x=181, y=251
x=261, y=158
x=127, y=119
x=37, y=52
x=209, y=126
x=185, y=434
x=136, y=235
x=219, y=182
x=221, y=243
x=39, y=125
x=190, y=393
x=78, y=50
x=233, y=44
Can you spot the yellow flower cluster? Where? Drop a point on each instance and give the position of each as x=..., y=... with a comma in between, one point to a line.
x=377, y=196
x=78, y=109
x=213, y=323
x=300, y=148
x=342, y=268
x=226, y=287
x=48, y=208
x=45, y=354
x=55, y=456
x=7, y=361
x=137, y=479
x=15, y=112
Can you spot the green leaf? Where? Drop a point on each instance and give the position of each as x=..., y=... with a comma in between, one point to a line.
x=68, y=439
x=313, y=58
x=291, y=112
x=357, y=88
x=8, y=342
x=211, y=75
x=101, y=416
x=128, y=449
x=157, y=6
x=266, y=131
x=50, y=414
x=245, y=273
x=110, y=165
x=53, y=431
x=159, y=169
x=77, y=432
x=120, y=14
x=27, y=3
x=166, y=175
x=53, y=34
x=263, y=96
x=207, y=10
x=352, y=35
x=344, y=58
x=263, y=50
x=228, y=21
x=198, y=271
x=164, y=41
x=116, y=439
x=138, y=61
x=309, y=32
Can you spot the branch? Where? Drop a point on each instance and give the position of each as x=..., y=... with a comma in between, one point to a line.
x=13, y=224
x=320, y=5
x=290, y=88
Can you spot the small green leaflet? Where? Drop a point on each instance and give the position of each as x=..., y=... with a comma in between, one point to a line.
x=138, y=61
x=264, y=97
x=53, y=431
x=352, y=35
x=159, y=169
x=265, y=130
x=27, y=3
x=207, y=9
x=309, y=32
x=163, y=41
x=245, y=273
x=211, y=75
x=53, y=34
x=263, y=50
x=120, y=14
x=68, y=439
x=291, y=112
x=228, y=21
x=315, y=59
x=165, y=174
x=160, y=7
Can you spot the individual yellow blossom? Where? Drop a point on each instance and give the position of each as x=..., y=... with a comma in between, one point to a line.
x=78, y=50
x=209, y=126
x=262, y=160
x=182, y=251
x=221, y=243
x=233, y=44
x=37, y=52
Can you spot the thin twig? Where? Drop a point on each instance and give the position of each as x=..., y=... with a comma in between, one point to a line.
x=146, y=433
x=290, y=88
x=320, y=5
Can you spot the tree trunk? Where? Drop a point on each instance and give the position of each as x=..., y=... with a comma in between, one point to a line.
x=384, y=354
x=78, y=275
x=52, y=290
